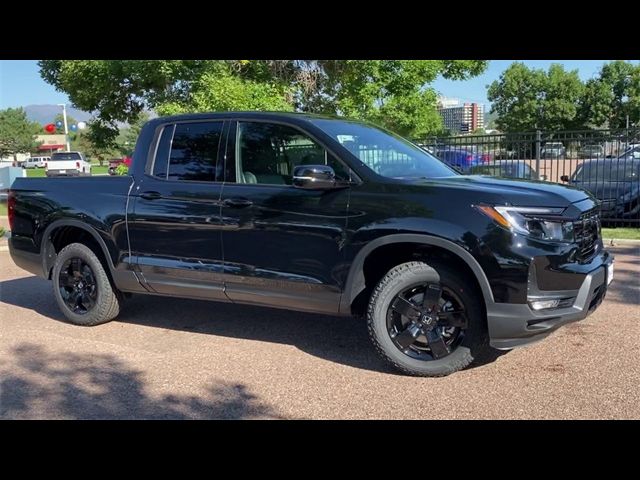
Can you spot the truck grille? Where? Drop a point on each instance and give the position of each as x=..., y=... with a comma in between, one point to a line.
x=587, y=233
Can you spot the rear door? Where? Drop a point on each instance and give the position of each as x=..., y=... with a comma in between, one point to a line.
x=175, y=226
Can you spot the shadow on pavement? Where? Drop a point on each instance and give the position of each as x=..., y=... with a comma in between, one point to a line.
x=343, y=340
x=87, y=386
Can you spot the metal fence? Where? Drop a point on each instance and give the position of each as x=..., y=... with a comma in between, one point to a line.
x=604, y=162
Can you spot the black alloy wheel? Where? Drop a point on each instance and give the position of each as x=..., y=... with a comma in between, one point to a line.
x=427, y=322
x=78, y=287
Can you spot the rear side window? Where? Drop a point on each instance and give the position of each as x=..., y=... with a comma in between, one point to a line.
x=194, y=151
x=161, y=163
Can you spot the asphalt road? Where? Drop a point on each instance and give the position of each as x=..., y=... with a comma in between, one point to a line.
x=168, y=358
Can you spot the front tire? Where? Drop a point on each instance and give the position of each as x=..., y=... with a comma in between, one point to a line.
x=427, y=320
x=82, y=288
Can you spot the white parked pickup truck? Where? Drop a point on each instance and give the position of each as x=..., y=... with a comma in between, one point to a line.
x=67, y=164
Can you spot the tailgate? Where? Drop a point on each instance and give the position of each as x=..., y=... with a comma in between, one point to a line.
x=62, y=165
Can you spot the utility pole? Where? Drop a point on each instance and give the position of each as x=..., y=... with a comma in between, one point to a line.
x=66, y=130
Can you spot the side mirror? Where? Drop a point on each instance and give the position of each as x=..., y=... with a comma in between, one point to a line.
x=564, y=178
x=314, y=177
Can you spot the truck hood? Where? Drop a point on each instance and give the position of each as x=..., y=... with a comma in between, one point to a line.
x=516, y=192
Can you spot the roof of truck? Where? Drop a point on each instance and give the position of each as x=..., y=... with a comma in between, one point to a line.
x=249, y=114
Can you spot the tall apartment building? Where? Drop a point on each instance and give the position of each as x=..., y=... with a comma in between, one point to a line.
x=461, y=118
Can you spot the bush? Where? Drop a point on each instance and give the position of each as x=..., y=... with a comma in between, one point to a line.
x=122, y=169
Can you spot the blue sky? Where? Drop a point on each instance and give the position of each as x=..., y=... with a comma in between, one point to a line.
x=20, y=85
x=20, y=82
x=475, y=89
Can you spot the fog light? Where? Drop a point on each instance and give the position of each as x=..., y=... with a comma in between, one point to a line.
x=543, y=304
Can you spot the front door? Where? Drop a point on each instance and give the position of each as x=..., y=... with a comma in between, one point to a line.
x=283, y=246
x=175, y=227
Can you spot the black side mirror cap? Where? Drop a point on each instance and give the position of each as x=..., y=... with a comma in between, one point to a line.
x=564, y=178
x=314, y=177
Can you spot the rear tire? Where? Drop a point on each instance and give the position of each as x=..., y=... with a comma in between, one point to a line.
x=464, y=343
x=102, y=300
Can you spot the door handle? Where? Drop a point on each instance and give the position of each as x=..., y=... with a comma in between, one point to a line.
x=237, y=202
x=151, y=195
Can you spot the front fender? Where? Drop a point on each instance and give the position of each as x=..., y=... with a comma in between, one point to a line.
x=355, y=282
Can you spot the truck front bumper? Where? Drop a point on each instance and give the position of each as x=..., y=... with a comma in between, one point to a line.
x=512, y=325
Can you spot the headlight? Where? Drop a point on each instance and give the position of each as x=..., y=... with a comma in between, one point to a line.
x=532, y=221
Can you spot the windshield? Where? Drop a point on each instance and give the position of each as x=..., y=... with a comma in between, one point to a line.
x=383, y=152
x=607, y=172
x=66, y=156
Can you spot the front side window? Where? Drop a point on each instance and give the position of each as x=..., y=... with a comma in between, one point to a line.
x=383, y=152
x=188, y=152
x=267, y=153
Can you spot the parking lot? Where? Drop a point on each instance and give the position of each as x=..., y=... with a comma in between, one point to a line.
x=167, y=358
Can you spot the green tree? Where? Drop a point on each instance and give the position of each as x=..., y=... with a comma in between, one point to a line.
x=85, y=142
x=394, y=93
x=128, y=136
x=527, y=99
x=17, y=133
x=595, y=106
x=612, y=96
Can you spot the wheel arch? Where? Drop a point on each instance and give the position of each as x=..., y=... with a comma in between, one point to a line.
x=49, y=254
x=355, y=283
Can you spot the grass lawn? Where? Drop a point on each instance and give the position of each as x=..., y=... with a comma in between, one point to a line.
x=626, y=233
x=35, y=172
x=40, y=172
x=3, y=209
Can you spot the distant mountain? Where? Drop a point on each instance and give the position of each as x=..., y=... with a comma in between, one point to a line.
x=44, y=114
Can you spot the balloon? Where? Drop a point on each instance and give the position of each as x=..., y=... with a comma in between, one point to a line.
x=58, y=124
x=73, y=127
x=82, y=125
x=50, y=127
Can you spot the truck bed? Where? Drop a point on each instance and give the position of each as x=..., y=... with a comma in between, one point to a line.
x=100, y=202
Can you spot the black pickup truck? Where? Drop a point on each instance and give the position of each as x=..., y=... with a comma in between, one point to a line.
x=319, y=214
